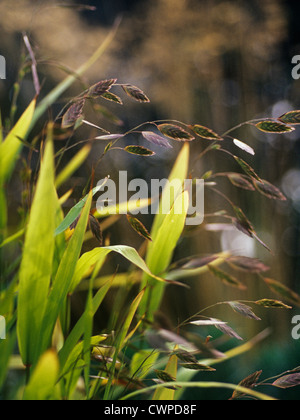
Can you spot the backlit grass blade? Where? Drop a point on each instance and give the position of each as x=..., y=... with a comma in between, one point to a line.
x=42, y=383
x=179, y=172
x=11, y=147
x=78, y=330
x=165, y=393
x=160, y=254
x=120, y=341
x=74, y=213
x=36, y=265
x=89, y=259
x=63, y=280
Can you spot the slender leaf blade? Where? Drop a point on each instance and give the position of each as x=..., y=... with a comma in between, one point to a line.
x=42, y=384
x=36, y=265
x=11, y=147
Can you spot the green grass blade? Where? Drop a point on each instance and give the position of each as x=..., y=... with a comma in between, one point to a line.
x=36, y=265
x=6, y=349
x=90, y=258
x=42, y=383
x=179, y=172
x=64, y=276
x=74, y=213
x=165, y=394
x=11, y=147
x=160, y=253
x=159, y=263
x=120, y=341
x=78, y=330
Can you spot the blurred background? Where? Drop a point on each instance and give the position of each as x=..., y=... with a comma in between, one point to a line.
x=211, y=62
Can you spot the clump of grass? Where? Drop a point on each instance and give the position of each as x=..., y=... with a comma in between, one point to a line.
x=132, y=357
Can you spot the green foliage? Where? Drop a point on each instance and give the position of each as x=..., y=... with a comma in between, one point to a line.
x=54, y=264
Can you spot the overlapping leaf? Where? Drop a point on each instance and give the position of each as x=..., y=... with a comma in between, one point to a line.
x=175, y=132
x=112, y=98
x=101, y=88
x=73, y=114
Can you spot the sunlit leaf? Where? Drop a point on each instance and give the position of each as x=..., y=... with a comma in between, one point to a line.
x=139, y=150
x=175, y=132
x=11, y=147
x=243, y=310
x=251, y=265
x=288, y=381
x=205, y=132
x=36, y=266
x=226, y=278
x=249, y=382
x=139, y=227
x=41, y=386
x=283, y=291
x=270, y=303
x=292, y=117
x=156, y=139
x=142, y=363
x=167, y=394
x=269, y=190
x=135, y=93
x=73, y=114
x=274, y=127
